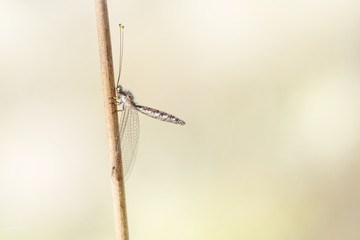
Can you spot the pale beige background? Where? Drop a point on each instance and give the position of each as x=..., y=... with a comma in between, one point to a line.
x=270, y=91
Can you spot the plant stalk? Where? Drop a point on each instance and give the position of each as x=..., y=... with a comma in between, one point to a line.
x=111, y=118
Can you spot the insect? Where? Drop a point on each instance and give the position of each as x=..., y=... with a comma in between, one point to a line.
x=129, y=119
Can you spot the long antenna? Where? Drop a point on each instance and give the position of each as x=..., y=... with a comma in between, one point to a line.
x=121, y=51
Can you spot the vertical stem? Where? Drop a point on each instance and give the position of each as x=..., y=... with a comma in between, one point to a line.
x=112, y=126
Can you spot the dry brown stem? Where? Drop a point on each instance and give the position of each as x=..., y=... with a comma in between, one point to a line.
x=112, y=126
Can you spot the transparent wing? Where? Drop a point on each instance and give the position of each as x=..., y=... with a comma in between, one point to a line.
x=129, y=136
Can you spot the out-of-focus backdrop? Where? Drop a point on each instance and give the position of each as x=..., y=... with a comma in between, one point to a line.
x=270, y=92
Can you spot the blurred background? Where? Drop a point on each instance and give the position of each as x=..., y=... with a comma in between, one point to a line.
x=270, y=92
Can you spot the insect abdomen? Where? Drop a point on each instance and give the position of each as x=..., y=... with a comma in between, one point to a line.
x=163, y=116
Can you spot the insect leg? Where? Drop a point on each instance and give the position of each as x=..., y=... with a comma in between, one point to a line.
x=119, y=110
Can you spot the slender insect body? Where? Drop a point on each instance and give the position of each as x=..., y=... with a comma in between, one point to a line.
x=163, y=116
x=127, y=99
x=129, y=119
